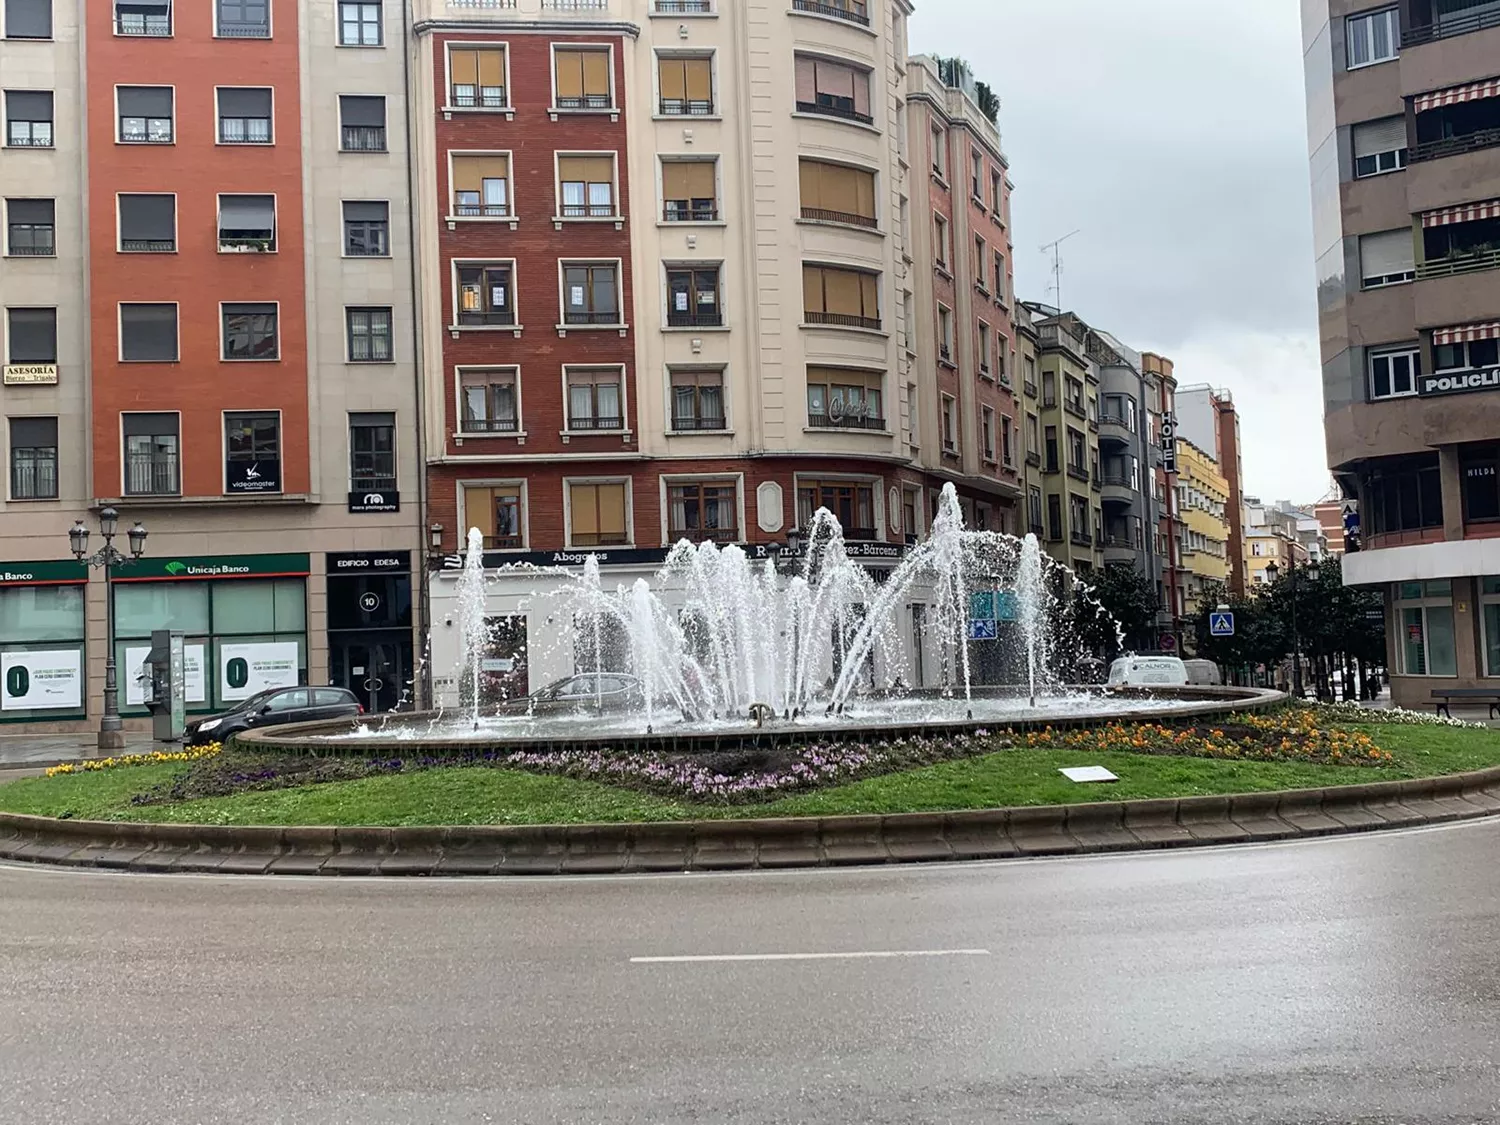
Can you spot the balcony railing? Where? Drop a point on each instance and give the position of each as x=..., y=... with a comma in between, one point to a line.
x=844, y=112
x=1450, y=26
x=823, y=215
x=363, y=138
x=490, y=425
x=35, y=137
x=1034, y=459
x=1075, y=408
x=33, y=479
x=855, y=13
x=945, y=353
x=586, y=101
x=1081, y=538
x=680, y=211
x=153, y=474
x=689, y=424
x=493, y=97
x=37, y=247
x=845, y=422
x=1120, y=543
x=1077, y=473
x=147, y=245
x=683, y=7
x=597, y=422
x=1118, y=480
x=1110, y=419
x=841, y=320
x=495, y=318
x=686, y=107
x=695, y=320
x=237, y=29
x=575, y=5
x=503, y=4
x=1030, y=387
x=139, y=23
x=588, y=211
x=599, y=538
x=481, y=210
x=1459, y=264
x=607, y=317
x=1454, y=146
x=704, y=534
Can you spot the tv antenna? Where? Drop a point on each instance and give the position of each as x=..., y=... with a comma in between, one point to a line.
x=1055, y=249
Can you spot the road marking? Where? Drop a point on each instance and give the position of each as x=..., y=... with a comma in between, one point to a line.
x=863, y=955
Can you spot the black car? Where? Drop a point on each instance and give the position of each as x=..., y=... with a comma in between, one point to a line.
x=612, y=691
x=273, y=708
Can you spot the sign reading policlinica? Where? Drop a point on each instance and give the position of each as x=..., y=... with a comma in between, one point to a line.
x=1461, y=382
x=41, y=681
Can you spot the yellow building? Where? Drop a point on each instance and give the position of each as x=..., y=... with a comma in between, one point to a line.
x=1202, y=500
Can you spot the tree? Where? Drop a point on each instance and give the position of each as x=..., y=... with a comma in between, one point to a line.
x=1130, y=599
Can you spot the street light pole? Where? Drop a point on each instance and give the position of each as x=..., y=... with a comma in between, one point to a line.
x=108, y=557
x=1296, y=640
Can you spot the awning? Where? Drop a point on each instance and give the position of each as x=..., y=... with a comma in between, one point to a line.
x=1436, y=99
x=1463, y=213
x=1466, y=333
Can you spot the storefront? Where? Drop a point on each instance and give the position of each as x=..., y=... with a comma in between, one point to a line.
x=42, y=641
x=244, y=616
x=370, y=648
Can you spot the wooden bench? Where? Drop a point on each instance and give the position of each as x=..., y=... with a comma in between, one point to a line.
x=1444, y=696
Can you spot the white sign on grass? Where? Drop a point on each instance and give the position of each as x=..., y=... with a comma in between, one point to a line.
x=249, y=668
x=1087, y=773
x=41, y=681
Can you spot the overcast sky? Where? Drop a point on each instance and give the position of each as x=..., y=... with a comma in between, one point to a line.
x=1172, y=134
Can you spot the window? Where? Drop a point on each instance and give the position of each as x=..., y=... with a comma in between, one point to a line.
x=244, y=115
x=367, y=229
x=976, y=175
x=148, y=333
x=594, y=399
x=950, y=424
x=362, y=123
x=243, y=19
x=693, y=298
x=1033, y=440
x=1078, y=457
x=979, y=263
x=369, y=335
x=833, y=89
x=1489, y=593
x=481, y=186
x=1379, y=146
x=999, y=287
x=28, y=19
x=698, y=400
x=1372, y=37
x=851, y=502
x=145, y=114
x=496, y=512
x=984, y=348
x=836, y=193
x=252, y=452
x=597, y=514
x=1394, y=373
x=940, y=242
x=1054, y=516
x=687, y=85
x=28, y=118
x=582, y=80
x=591, y=294
x=1050, y=450
x=1028, y=373
x=148, y=224
x=476, y=78
x=1387, y=258
x=1466, y=355
x=940, y=153
x=1078, y=508
x=689, y=191
x=150, y=454
x=997, y=195
x=485, y=295
x=1403, y=494
x=839, y=398
x=702, y=510
x=1479, y=478
x=586, y=187
x=911, y=504
x=1049, y=388
x=247, y=223
x=1426, y=646
x=30, y=228
x=31, y=335
x=33, y=458
x=987, y=432
x=149, y=18
x=491, y=401
x=945, y=334
x=372, y=452
x=849, y=298
x=250, y=331
x=359, y=24
x=1007, y=445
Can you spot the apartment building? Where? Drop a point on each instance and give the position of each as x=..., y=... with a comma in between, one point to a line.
x=1161, y=405
x=1270, y=537
x=208, y=327
x=1207, y=417
x=1203, y=501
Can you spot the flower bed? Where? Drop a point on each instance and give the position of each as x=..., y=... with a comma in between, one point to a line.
x=1389, y=716
x=155, y=758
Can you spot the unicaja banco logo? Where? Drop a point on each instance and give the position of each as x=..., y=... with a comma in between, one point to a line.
x=176, y=568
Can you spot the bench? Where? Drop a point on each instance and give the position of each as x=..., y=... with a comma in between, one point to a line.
x=1444, y=696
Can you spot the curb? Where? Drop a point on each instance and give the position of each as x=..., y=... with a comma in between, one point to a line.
x=740, y=845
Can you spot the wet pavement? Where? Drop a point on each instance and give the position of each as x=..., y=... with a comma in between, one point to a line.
x=1342, y=980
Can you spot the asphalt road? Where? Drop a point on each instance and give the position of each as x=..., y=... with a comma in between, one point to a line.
x=1347, y=980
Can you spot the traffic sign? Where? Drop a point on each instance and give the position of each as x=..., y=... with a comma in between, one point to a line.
x=982, y=630
x=1221, y=624
x=982, y=605
x=1168, y=642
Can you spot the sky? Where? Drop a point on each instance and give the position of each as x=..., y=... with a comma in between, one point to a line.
x=1172, y=135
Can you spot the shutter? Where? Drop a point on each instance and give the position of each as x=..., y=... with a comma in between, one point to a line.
x=807, y=84
x=859, y=81
x=148, y=332
x=812, y=289
x=811, y=173
x=700, y=180
x=840, y=189
x=699, y=74
x=1385, y=135
x=148, y=425
x=491, y=68
x=362, y=111
x=864, y=194
x=463, y=67
x=246, y=103
x=570, y=169
x=145, y=101
x=612, y=509
x=28, y=105
x=569, y=74
x=1390, y=252
x=366, y=211
x=33, y=433
x=148, y=216
x=247, y=212
x=675, y=178
x=598, y=170
x=869, y=296
x=33, y=336
x=843, y=288
x=835, y=80
x=470, y=172
x=479, y=510
x=30, y=210
x=28, y=19
x=596, y=73
x=672, y=74
x=372, y=419
x=585, y=509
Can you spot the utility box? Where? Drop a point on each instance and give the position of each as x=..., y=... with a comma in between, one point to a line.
x=166, y=689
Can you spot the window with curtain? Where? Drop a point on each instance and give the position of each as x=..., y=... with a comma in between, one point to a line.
x=1372, y=37
x=837, y=193
x=369, y=335
x=597, y=514
x=702, y=510
x=28, y=118
x=698, y=400
x=594, y=398
x=832, y=89
x=844, y=297
x=490, y=400
x=586, y=187
x=851, y=502
x=843, y=398
x=689, y=190
x=245, y=116
x=496, y=511
x=582, y=79
x=150, y=454
x=481, y=186
x=476, y=78
x=362, y=123
x=33, y=458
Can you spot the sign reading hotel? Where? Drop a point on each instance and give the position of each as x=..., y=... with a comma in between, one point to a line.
x=41, y=681
x=247, y=669
x=30, y=374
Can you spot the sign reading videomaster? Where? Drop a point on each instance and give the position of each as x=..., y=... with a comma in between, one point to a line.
x=1459, y=382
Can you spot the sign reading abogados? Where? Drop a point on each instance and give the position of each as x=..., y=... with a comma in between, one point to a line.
x=185, y=568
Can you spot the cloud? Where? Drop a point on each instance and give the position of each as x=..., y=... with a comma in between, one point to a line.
x=1172, y=134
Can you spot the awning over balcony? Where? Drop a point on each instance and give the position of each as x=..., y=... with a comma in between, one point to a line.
x=1436, y=99
x=1466, y=333
x=1463, y=213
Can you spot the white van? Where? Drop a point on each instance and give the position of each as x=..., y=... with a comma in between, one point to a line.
x=1203, y=673
x=1148, y=671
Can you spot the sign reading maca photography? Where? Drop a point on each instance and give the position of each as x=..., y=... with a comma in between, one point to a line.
x=367, y=502
x=30, y=374
x=1461, y=382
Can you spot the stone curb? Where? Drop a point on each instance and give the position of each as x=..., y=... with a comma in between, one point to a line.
x=738, y=845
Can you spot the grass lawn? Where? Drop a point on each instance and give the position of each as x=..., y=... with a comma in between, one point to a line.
x=493, y=796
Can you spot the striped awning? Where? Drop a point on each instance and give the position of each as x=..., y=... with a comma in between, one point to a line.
x=1463, y=213
x=1466, y=333
x=1436, y=99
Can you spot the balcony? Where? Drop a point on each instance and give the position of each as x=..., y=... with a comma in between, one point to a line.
x=854, y=13
x=704, y=534
x=362, y=138
x=695, y=320
x=840, y=320
x=1078, y=473
x=238, y=29
x=682, y=8
x=490, y=425
x=845, y=422
x=1480, y=17
x=1454, y=146
x=1117, y=488
x=845, y=113
x=1081, y=539
x=1459, y=264
x=1114, y=427
x=597, y=422
x=680, y=211
x=1075, y=407
x=152, y=474
x=685, y=107
x=1034, y=459
x=1029, y=386
x=691, y=425
x=822, y=215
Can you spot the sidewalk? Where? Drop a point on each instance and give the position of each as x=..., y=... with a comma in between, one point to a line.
x=34, y=750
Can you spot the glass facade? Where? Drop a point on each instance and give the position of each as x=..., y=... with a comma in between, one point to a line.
x=41, y=651
x=1489, y=600
x=1425, y=612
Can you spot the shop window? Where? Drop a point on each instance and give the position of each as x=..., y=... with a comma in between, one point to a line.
x=598, y=514
x=42, y=627
x=372, y=452
x=496, y=511
x=491, y=401
x=1489, y=591
x=1426, y=646
x=476, y=78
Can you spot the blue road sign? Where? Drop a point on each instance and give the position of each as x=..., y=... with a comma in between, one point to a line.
x=982, y=605
x=982, y=630
x=1221, y=624
x=1006, y=606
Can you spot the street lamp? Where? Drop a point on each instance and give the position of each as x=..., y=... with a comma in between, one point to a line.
x=1272, y=573
x=111, y=736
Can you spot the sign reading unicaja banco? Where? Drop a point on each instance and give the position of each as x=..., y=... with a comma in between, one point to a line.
x=1461, y=381
x=185, y=568
x=48, y=573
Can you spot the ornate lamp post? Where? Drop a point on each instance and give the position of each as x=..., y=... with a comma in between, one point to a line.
x=111, y=736
x=1272, y=573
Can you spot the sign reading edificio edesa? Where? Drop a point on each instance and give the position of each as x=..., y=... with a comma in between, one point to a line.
x=1460, y=382
x=245, y=669
x=41, y=681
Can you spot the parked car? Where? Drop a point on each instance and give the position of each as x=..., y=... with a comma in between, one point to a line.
x=607, y=691
x=1203, y=672
x=1148, y=671
x=275, y=707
